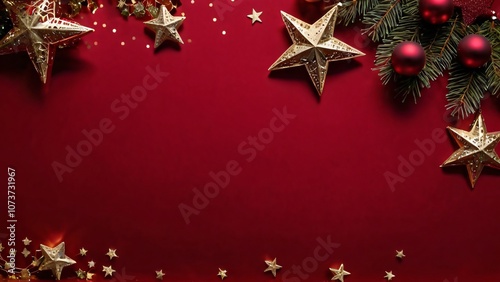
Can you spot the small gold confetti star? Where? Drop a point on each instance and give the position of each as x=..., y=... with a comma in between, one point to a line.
x=399, y=254
x=91, y=264
x=25, y=253
x=26, y=241
x=222, y=273
x=90, y=275
x=159, y=274
x=80, y=274
x=272, y=266
x=121, y=3
x=255, y=16
x=339, y=273
x=389, y=275
x=112, y=254
x=108, y=270
x=83, y=252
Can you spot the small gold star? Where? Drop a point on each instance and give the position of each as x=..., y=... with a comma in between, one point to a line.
x=159, y=274
x=6, y=266
x=389, y=275
x=89, y=275
x=25, y=253
x=80, y=274
x=222, y=273
x=121, y=3
x=83, y=252
x=339, y=273
x=272, y=266
x=1, y=247
x=399, y=254
x=112, y=254
x=91, y=264
x=108, y=270
x=26, y=241
x=255, y=16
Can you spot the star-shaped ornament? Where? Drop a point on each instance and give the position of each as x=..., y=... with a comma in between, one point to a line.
x=159, y=274
x=400, y=254
x=255, y=16
x=222, y=273
x=272, y=266
x=314, y=47
x=477, y=149
x=112, y=254
x=54, y=259
x=473, y=9
x=338, y=274
x=91, y=264
x=25, y=253
x=389, y=275
x=165, y=27
x=83, y=252
x=39, y=32
x=89, y=275
x=108, y=270
x=26, y=241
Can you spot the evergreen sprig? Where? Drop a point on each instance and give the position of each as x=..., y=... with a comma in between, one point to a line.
x=351, y=11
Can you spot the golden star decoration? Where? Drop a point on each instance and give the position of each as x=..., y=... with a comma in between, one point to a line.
x=89, y=275
x=389, y=275
x=159, y=274
x=255, y=16
x=477, y=149
x=272, y=266
x=26, y=241
x=112, y=254
x=222, y=273
x=400, y=254
x=338, y=274
x=39, y=32
x=165, y=27
x=81, y=274
x=54, y=259
x=25, y=253
x=314, y=47
x=83, y=252
x=108, y=270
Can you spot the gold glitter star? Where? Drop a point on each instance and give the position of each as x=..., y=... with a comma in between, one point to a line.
x=121, y=3
x=89, y=275
x=272, y=266
x=91, y=264
x=255, y=16
x=108, y=270
x=165, y=27
x=222, y=274
x=314, y=47
x=54, y=259
x=80, y=274
x=339, y=273
x=25, y=253
x=477, y=149
x=39, y=32
x=389, y=275
x=6, y=266
x=26, y=241
x=83, y=252
x=400, y=254
x=111, y=254
x=159, y=274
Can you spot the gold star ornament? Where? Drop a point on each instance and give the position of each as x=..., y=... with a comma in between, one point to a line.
x=272, y=266
x=314, y=47
x=222, y=273
x=83, y=252
x=39, y=32
x=389, y=275
x=54, y=259
x=108, y=271
x=159, y=274
x=477, y=149
x=111, y=254
x=400, y=254
x=255, y=16
x=165, y=27
x=338, y=274
x=26, y=241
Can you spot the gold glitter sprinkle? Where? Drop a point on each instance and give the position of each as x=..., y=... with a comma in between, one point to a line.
x=210, y=5
x=103, y=25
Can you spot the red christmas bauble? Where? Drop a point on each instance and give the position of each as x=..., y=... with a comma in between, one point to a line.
x=474, y=51
x=408, y=58
x=436, y=11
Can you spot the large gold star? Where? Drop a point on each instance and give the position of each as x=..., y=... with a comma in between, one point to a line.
x=39, y=32
x=55, y=259
x=477, y=149
x=165, y=27
x=314, y=47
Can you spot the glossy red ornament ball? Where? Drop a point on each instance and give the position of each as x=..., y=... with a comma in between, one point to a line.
x=474, y=51
x=408, y=58
x=436, y=11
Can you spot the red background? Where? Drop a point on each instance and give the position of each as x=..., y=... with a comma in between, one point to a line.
x=323, y=175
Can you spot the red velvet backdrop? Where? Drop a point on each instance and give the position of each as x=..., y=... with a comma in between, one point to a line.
x=315, y=173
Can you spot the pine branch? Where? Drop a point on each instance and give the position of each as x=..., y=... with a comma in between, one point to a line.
x=466, y=89
x=383, y=18
x=350, y=11
x=492, y=33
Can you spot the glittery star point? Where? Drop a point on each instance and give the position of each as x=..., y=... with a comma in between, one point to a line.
x=472, y=9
